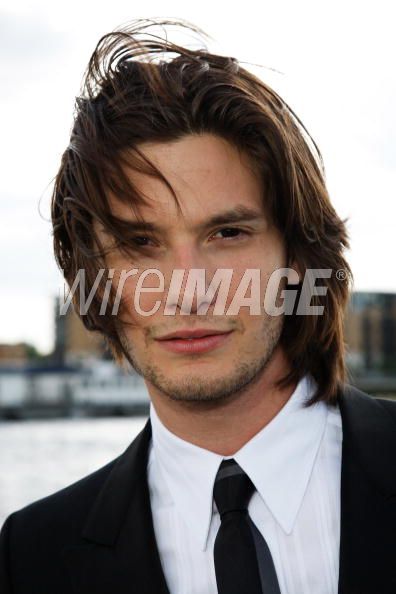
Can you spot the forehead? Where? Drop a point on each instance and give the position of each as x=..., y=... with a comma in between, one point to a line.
x=206, y=172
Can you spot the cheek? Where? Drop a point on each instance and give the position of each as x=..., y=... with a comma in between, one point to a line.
x=141, y=299
x=251, y=275
x=264, y=262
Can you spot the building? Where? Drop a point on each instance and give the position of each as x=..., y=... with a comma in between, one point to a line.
x=73, y=342
x=13, y=355
x=370, y=330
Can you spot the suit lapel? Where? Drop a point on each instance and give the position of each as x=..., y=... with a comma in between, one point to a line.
x=368, y=502
x=118, y=552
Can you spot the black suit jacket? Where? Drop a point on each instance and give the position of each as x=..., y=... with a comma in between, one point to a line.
x=96, y=536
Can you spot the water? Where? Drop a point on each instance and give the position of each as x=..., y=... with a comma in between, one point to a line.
x=38, y=458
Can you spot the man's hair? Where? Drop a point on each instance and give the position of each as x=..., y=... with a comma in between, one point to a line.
x=140, y=87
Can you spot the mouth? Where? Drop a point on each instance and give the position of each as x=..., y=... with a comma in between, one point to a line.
x=198, y=341
x=192, y=334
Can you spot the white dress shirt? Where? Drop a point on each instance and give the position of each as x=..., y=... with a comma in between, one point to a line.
x=295, y=465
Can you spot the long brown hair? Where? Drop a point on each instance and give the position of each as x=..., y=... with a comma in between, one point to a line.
x=140, y=87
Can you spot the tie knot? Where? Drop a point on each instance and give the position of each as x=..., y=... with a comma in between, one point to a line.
x=232, y=489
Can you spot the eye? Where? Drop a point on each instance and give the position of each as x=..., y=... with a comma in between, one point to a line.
x=140, y=240
x=231, y=232
x=228, y=233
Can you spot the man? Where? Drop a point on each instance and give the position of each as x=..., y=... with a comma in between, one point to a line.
x=260, y=469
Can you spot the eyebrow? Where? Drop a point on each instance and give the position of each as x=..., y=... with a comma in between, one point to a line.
x=238, y=214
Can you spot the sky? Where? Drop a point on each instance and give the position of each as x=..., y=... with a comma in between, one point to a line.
x=333, y=62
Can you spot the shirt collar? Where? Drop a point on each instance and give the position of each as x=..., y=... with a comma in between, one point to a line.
x=279, y=460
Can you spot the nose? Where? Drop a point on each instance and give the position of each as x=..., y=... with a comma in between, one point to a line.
x=187, y=279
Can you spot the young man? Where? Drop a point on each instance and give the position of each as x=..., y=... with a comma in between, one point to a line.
x=260, y=470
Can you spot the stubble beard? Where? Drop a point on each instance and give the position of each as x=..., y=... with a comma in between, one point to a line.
x=194, y=387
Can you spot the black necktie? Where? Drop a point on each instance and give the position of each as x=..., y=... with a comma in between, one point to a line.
x=243, y=561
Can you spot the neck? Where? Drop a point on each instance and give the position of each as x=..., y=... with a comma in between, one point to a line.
x=224, y=427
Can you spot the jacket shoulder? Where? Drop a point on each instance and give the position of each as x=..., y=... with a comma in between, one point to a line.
x=40, y=531
x=369, y=435
x=389, y=405
x=362, y=399
x=61, y=513
x=34, y=539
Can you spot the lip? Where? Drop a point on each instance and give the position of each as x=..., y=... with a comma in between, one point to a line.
x=191, y=345
x=197, y=333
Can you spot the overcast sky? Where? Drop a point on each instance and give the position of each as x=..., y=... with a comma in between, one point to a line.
x=335, y=64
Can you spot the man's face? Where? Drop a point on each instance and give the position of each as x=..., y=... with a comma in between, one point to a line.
x=211, y=178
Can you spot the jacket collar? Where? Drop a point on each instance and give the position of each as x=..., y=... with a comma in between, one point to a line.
x=118, y=551
x=121, y=489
